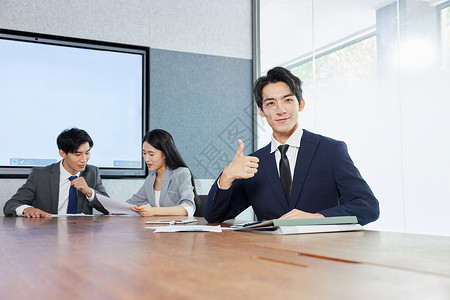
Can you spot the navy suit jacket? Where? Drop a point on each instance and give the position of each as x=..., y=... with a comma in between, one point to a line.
x=325, y=181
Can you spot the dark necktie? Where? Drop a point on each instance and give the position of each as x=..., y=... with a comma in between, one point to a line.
x=72, y=207
x=285, y=172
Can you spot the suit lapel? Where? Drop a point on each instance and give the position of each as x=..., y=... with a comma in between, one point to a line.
x=54, y=187
x=305, y=156
x=269, y=168
x=165, y=184
x=80, y=195
x=151, y=193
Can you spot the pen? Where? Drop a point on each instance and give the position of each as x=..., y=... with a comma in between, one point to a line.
x=245, y=224
x=251, y=223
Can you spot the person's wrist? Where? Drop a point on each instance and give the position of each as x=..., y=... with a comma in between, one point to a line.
x=151, y=211
x=88, y=192
x=24, y=211
x=225, y=180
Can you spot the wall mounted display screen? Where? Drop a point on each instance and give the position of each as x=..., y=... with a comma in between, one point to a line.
x=48, y=84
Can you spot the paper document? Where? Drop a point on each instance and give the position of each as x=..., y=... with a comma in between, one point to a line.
x=172, y=222
x=187, y=228
x=298, y=222
x=72, y=215
x=306, y=229
x=114, y=206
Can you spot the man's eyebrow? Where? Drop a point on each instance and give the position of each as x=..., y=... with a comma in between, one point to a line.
x=288, y=95
x=76, y=151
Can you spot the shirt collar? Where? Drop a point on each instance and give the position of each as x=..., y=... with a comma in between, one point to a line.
x=293, y=140
x=64, y=173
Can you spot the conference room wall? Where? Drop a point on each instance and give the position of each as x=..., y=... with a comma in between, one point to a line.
x=201, y=69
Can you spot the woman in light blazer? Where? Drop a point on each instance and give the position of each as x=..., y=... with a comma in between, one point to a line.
x=169, y=188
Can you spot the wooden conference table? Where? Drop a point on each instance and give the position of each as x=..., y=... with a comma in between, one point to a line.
x=115, y=257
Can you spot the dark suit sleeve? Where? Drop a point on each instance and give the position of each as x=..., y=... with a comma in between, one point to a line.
x=25, y=195
x=356, y=197
x=225, y=204
x=99, y=188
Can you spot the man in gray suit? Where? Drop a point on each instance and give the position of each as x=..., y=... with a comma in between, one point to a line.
x=48, y=189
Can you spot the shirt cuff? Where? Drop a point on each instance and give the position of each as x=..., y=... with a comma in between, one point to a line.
x=218, y=179
x=20, y=209
x=188, y=208
x=92, y=196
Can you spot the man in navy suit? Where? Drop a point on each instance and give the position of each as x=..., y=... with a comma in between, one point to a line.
x=314, y=177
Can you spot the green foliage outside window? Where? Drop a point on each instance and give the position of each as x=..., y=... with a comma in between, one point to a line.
x=343, y=67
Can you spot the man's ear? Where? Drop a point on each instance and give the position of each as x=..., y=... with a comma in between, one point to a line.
x=62, y=153
x=301, y=105
x=261, y=113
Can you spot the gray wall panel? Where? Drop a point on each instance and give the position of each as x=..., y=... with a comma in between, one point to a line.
x=18, y=15
x=218, y=27
x=115, y=21
x=205, y=102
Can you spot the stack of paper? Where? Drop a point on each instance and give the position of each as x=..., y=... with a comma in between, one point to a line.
x=295, y=226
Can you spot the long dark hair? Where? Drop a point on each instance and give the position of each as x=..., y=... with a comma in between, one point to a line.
x=163, y=141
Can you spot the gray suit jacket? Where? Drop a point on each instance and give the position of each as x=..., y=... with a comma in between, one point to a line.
x=41, y=190
x=176, y=189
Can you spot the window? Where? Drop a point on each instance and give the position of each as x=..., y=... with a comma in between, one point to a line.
x=445, y=29
x=342, y=66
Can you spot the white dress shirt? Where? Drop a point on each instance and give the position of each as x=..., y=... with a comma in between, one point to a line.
x=64, y=187
x=186, y=206
x=294, y=144
x=157, y=197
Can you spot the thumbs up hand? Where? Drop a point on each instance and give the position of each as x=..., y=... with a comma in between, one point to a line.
x=240, y=150
x=242, y=167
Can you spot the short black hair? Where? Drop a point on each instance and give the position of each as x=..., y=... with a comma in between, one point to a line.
x=71, y=139
x=277, y=74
